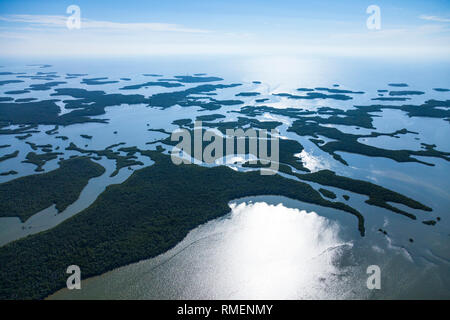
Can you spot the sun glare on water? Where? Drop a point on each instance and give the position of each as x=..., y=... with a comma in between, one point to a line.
x=274, y=252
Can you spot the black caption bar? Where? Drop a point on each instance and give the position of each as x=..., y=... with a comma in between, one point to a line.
x=217, y=309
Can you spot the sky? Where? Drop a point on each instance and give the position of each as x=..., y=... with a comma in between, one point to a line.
x=141, y=28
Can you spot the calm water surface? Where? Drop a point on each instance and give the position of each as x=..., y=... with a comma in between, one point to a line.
x=268, y=247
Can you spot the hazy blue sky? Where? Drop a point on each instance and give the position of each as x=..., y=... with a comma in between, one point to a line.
x=29, y=27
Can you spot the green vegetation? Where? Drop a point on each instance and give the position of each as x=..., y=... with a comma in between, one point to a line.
x=38, y=112
x=210, y=117
x=248, y=94
x=347, y=142
x=378, y=196
x=121, y=161
x=327, y=193
x=22, y=129
x=45, y=86
x=183, y=98
x=191, y=79
x=97, y=81
x=52, y=131
x=35, y=146
x=9, y=156
x=359, y=116
x=92, y=103
x=153, y=84
x=36, y=77
x=287, y=148
x=183, y=122
x=405, y=93
x=42, y=66
x=39, y=160
x=155, y=208
x=441, y=89
x=17, y=92
x=431, y=109
x=115, y=145
x=339, y=91
x=26, y=136
x=391, y=99
x=429, y=222
x=7, y=73
x=143, y=217
x=7, y=173
x=3, y=82
x=398, y=85
x=28, y=195
x=315, y=95
x=241, y=123
x=87, y=104
x=352, y=117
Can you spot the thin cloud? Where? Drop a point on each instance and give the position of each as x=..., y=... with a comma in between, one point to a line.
x=434, y=18
x=60, y=21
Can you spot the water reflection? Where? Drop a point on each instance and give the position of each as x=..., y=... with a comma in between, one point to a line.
x=258, y=251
